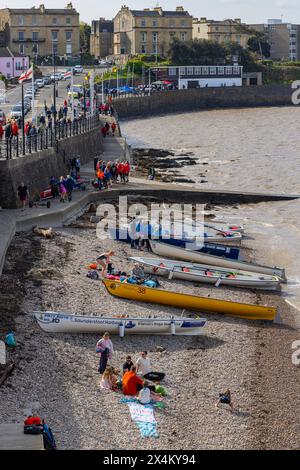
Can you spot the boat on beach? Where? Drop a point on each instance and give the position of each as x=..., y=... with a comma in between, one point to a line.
x=187, y=301
x=55, y=322
x=215, y=275
x=163, y=249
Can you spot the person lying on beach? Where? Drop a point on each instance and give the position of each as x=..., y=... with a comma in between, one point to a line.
x=144, y=367
x=225, y=398
x=104, y=259
x=144, y=394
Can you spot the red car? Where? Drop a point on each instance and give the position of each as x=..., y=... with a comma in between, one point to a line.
x=2, y=118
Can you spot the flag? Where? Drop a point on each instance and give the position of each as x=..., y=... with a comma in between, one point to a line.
x=68, y=74
x=26, y=75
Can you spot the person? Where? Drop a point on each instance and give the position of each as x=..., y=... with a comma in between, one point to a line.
x=127, y=365
x=23, y=194
x=107, y=174
x=69, y=185
x=107, y=127
x=104, y=259
x=126, y=171
x=104, y=349
x=131, y=382
x=144, y=394
x=116, y=379
x=138, y=272
x=143, y=365
x=103, y=130
x=225, y=398
x=77, y=166
x=62, y=189
x=113, y=127
x=151, y=174
x=54, y=187
x=106, y=379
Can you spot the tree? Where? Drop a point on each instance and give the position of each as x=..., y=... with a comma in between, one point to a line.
x=259, y=45
x=85, y=33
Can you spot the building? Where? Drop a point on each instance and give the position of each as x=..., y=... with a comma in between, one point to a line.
x=201, y=76
x=284, y=39
x=150, y=31
x=220, y=31
x=12, y=66
x=41, y=31
x=102, y=38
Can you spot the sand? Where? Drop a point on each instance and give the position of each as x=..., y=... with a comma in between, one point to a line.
x=60, y=371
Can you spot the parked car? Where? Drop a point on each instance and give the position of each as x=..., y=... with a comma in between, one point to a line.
x=55, y=77
x=78, y=68
x=16, y=111
x=39, y=82
x=46, y=80
x=2, y=118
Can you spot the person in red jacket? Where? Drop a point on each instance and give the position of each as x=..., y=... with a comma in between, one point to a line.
x=1, y=131
x=104, y=131
x=14, y=128
x=131, y=383
x=121, y=172
x=126, y=171
x=113, y=127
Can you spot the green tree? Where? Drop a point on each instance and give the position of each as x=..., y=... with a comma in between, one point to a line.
x=85, y=33
x=259, y=45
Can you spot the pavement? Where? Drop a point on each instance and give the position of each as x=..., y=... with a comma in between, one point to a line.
x=12, y=437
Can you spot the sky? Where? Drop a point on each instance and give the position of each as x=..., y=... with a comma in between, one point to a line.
x=250, y=11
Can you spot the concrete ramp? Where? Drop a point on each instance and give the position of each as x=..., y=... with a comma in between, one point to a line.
x=12, y=437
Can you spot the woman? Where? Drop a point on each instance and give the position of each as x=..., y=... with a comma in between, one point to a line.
x=62, y=189
x=104, y=349
x=104, y=259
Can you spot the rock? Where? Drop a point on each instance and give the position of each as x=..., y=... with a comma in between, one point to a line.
x=183, y=180
x=44, y=232
x=160, y=349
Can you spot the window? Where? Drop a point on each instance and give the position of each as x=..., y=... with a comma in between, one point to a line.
x=21, y=48
x=8, y=65
x=154, y=37
x=182, y=71
x=228, y=70
x=205, y=70
x=35, y=35
x=54, y=20
x=238, y=39
x=35, y=48
x=21, y=35
x=68, y=20
x=144, y=37
x=143, y=49
x=123, y=24
x=69, y=49
x=198, y=70
x=54, y=36
x=118, y=38
x=68, y=36
x=143, y=23
x=213, y=70
x=183, y=36
x=172, y=23
x=54, y=48
x=154, y=23
x=182, y=22
x=199, y=29
x=21, y=20
x=236, y=70
x=172, y=34
x=221, y=71
x=190, y=70
x=172, y=71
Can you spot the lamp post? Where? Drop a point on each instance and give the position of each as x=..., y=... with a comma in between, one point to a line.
x=54, y=89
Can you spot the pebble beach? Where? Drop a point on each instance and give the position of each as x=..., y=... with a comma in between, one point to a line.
x=59, y=371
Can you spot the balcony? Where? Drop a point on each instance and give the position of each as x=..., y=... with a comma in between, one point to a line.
x=22, y=41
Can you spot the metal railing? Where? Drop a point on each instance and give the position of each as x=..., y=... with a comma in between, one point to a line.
x=44, y=138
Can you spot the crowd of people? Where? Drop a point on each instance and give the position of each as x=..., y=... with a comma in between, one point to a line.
x=107, y=173
x=134, y=378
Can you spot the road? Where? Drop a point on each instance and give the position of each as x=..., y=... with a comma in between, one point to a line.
x=45, y=94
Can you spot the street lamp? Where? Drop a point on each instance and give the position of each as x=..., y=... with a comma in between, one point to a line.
x=54, y=88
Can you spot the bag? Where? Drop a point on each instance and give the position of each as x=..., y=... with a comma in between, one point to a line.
x=48, y=438
x=33, y=429
x=10, y=339
x=93, y=275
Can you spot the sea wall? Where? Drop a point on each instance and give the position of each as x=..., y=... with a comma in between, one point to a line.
x=204, y=98
x=36, y=169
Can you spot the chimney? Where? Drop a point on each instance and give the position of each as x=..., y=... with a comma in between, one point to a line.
x=69, y=6
x=203, y=19
x=159, y=10
x=179, y=9
x=42, y=8
x=238, y=20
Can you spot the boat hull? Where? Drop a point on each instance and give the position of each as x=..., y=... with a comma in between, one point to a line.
x=172, y=251
x=187, y=301
x=53, y=322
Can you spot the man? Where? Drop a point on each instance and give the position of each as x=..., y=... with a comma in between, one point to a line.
x=69, y=184
x=23, y=194
x=143, y=365
x=131, y=383
x=138, y=272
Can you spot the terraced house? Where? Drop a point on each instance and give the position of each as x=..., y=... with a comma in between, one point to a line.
x=150, y=31
x=41, y=31
x=220, y=31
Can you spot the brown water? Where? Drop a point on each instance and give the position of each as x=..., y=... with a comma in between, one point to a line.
x=246, y=149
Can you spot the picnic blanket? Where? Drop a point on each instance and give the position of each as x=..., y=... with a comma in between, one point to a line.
x=143, y=416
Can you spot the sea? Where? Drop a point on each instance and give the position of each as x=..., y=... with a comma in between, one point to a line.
x=251, y=150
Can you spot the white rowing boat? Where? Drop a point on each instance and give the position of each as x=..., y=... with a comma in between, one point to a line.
x=54, y=322
x=174, y=252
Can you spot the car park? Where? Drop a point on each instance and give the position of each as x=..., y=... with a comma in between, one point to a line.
x=2, y=118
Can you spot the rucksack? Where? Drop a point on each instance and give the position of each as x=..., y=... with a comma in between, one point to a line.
x=48, y=438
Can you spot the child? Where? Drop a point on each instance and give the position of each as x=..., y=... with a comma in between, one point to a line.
x=144, y=394
x=106, y=379
x=127, y=365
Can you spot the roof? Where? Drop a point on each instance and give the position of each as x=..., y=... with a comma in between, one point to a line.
x=47, y=11
x=156, y=14
x=5, y=52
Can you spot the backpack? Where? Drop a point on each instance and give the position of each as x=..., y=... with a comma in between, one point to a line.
x=93, y=275
x=48, y=438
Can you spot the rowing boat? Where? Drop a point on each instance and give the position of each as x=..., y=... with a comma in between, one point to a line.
x=208, y=274
x=187, y=301
x=54, y=322
x=171, y=251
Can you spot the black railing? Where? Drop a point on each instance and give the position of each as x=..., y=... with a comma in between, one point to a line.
x=44, y=137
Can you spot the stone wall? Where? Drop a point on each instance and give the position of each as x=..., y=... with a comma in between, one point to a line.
x=36, y=169
x=204, y=98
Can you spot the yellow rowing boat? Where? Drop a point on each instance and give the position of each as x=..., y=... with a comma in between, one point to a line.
x=187, y=301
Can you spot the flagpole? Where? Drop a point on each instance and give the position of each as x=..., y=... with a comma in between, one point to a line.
x=32, y=91
x=102, y=98
x=72, y=95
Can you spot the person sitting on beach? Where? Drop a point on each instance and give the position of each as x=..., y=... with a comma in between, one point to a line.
x=103, y=260
x=143, y=365
x=127, y=365
x=106, y=379
x=225, y=398
x=138, y=272
x=116, y=379
x=144, y=394
x=131, y=382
